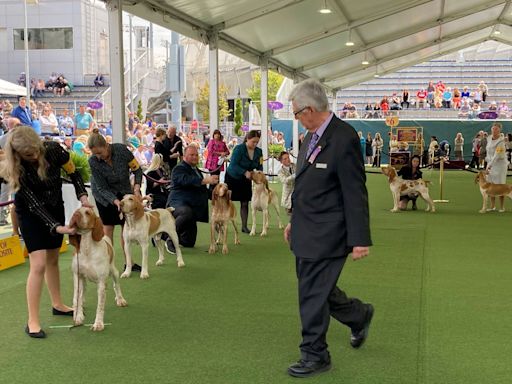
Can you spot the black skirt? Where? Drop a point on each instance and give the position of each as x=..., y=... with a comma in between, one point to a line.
x=36, y=233
x=109, y=215
x=241, y=189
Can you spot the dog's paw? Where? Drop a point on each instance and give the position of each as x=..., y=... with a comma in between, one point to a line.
x=237, y=242
x=263, y=234
x=394, y=210
x=98, y=326
x=225, y=250
x=159, y=263
x=482, y=211
x=79, y=319
x=144, y=275
x=281, y=226
x=181, y=264
x=125, y=274
x=121, y=302
x=252, y=233
x=212, y=249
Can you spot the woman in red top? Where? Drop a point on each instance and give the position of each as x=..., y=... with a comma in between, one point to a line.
x=216, y=148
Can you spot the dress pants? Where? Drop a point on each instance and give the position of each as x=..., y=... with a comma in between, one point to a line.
x=320, y=298
x=186, y=225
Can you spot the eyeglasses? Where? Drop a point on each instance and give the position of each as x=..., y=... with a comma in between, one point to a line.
x=296, y=114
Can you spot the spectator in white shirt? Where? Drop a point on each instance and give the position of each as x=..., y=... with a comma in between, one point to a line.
x=48, y=121
x=140, y=155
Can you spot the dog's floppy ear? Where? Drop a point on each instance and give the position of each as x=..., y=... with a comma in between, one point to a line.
x=74, y=240
x=97, y=230
x=229, y=194
x=74, y=219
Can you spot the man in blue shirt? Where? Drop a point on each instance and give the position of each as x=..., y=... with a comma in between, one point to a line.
x=84, y=122
x=22, y=112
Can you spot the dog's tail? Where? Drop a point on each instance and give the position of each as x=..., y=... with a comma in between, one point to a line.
x=427, y=182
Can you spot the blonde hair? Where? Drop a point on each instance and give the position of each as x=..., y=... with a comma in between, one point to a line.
x=22, y=140
x=96, y=139
x=156, y=162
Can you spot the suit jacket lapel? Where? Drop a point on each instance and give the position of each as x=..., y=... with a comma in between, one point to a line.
x=302, y=152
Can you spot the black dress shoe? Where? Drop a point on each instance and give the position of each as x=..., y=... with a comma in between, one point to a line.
x=135, y=268
x=56, y=312
x=359, y=337
x=304, y=368
x=245, y=230
x=169, y=246
x=36, y=335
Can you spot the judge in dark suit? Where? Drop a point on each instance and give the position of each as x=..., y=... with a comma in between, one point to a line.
x=189, y=197
x=329, y=221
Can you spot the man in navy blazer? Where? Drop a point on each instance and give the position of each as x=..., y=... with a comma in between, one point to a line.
x=329, y=221
x=189, y=197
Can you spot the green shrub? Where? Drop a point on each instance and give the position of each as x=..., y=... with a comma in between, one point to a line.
x=81, y=164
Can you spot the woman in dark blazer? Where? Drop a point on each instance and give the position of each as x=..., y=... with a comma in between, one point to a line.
x=246, y=157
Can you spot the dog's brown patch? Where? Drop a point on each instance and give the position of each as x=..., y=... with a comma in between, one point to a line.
x=138, y=208
x=232, y=212
x=403, y=187
x=74, y=240
x=97, y=230
x=154, y=222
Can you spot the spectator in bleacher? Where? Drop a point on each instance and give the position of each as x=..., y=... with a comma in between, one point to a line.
x=376, y=111
x=476, y=96
x=22, y=112
x=7, y=107
x=493, y=106
x=384, y=106
x=66, y=123
x=475, y=110
x=84, y=122
x=395, y=103
x=465, y=109
x=344, y=111
x=438, y=98
x=33, y=84
x=459, y=147
x=22, y=80
x=50, y=84
x=60, y=85
x=475, y=150
x=430, y=92
x=484, y=90
x=447, y=98
x=99, y=81
x=377, y=145
x=49, y=123
x=405, y=98
x=456, y=100
x=352, y=112
x=465, y=94
x=368, y=114
x=421, y=98
x=503, y=110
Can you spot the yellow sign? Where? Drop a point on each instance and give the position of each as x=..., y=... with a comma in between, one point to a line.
x=10, y=252
x=63, y=248
x=392, y=121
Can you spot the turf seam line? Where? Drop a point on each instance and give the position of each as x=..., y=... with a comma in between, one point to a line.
x=422, y=327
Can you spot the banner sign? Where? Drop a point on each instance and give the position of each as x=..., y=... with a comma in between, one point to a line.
x=10, y=252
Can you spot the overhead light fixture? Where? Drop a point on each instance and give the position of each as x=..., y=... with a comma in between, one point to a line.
x=325, y=10
x=349, y=42
x=497, y=30
x=376, y=75
x=376, y=72
x=365, y=60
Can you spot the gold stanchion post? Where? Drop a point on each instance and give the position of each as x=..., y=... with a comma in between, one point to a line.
x=441, y=183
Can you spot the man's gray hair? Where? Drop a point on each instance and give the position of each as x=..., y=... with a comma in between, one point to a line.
x=310, y=93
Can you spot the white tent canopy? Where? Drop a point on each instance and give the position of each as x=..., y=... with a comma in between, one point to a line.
x=7, y=88
x=300, y=42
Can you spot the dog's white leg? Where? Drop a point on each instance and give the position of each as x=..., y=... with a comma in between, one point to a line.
x=128, y=269
x=396, y=201
x=220, y=228
x=78, y=315
x=213, y=245
x=430, y=204
x=253, y=228
x=161, y=252
x=144, y=273
x=265, y=222
x=237, y=241
x=120, y=301
x=484, y=206
x=276, y=206
x=225, y=249
x=100, y=309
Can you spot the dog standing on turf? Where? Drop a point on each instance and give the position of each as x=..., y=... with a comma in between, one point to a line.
x=399, y=186
x=141, y=226
x=488, y=189
x=262, y=198
x=94, y=260
x=223, y=212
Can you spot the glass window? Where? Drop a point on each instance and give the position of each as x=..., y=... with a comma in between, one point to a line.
x=44, y=38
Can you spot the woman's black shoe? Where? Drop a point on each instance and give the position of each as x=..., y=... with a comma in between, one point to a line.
x=56, y=312
x=36, y=335
x=245, y=230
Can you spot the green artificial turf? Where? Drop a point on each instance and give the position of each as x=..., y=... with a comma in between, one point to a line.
x=439, y=283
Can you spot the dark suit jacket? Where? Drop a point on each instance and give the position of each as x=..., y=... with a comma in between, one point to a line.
x=330, y=200
x=187, y=190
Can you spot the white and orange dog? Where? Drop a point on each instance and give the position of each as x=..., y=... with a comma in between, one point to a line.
x=141, y=226
x=494, y=190
x=262, y=198
x=400, y=187
x=223, y=212
x=94, y=260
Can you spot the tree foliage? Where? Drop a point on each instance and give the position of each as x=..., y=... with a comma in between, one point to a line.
x=238, y=117
x=203, y=102
x=139, y=111
x=274, y=82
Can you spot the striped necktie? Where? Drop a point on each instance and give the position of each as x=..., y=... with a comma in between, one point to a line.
x=312, y=144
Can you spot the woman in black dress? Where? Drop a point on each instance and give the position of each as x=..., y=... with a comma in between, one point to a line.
x=32, y=168
x=157, y=182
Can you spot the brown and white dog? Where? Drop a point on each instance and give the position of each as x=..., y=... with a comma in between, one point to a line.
x=487, y=189
x=94, y=260
x=400, y=186
x=141, y=226
x=262, y=198
x=223, y=212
